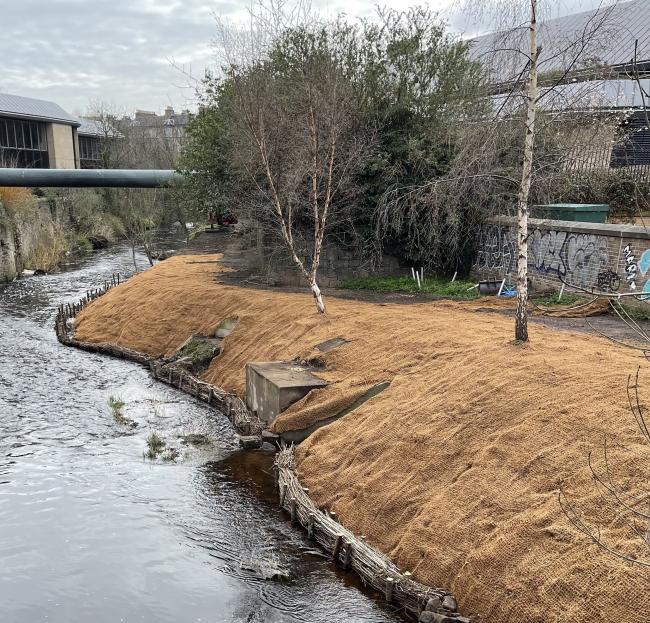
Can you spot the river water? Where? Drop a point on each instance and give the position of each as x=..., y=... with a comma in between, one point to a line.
x=90, y=530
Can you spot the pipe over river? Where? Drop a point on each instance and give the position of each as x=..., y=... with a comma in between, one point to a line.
x=89, y=178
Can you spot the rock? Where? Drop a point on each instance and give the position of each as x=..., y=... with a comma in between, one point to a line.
x=267, y=447
x=250, y=442
x=69, y=323
x=221, y=333
x=450, y=603
x=28, y=273
x=99, y=242
x=196, y=439
x=433, y=604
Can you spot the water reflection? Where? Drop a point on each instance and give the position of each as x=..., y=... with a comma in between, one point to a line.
x=90, y=531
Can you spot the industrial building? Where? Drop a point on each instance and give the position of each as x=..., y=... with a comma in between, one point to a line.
x=37, y=134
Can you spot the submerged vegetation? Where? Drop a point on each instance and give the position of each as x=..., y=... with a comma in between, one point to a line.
x=157, y=448
x=155, y=445
x=116, y=404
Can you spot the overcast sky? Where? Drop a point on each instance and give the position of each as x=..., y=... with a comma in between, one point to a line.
x=75, y=52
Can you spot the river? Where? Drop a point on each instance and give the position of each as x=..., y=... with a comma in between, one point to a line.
x=90, y=530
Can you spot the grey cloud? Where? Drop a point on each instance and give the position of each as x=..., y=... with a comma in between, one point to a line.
x=75, y=51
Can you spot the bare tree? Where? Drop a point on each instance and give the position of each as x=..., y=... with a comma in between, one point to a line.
x=299, y=137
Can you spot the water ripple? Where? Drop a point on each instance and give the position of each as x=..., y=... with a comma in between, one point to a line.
x=91, y=531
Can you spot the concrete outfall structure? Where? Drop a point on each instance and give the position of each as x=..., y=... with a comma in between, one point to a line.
x=272, y=387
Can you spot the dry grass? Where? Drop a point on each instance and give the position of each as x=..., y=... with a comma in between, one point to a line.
x=453, y=470
x=50, y=248
x=15, y=198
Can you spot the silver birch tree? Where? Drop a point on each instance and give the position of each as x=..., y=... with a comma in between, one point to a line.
x=521, y=323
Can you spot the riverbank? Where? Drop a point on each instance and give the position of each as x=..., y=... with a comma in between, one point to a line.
x=454, y=469
x=93, y=531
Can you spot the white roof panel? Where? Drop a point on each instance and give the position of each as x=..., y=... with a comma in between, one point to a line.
x=30, y=108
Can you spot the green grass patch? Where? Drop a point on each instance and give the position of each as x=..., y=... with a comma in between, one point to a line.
x=636, y=313
x=436, y=286
x=552, y=300
x=200, y=351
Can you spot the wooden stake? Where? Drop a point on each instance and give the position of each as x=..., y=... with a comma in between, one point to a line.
x=337, y=547
x=348, y=554
x=294, y=510
x=388, y=591
x=310, y=526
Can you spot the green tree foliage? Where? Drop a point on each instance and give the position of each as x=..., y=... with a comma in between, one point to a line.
x=410, y=85
x=208, y=185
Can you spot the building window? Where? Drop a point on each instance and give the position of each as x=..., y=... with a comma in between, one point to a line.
x=634, y=148
x=90, y=153
x=23, y=144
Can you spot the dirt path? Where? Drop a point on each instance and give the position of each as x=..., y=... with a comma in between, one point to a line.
x=226, y=240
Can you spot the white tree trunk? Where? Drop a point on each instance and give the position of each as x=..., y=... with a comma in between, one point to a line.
x=521, y=323
x=320, y=304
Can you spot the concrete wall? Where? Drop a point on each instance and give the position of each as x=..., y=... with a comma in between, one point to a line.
x=8, y=254
x=336, y=265
x=62, y=146
x=614, y=258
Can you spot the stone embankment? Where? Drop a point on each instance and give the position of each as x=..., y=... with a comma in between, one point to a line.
x=429, y=605
x=453, y=471
x=21, y=235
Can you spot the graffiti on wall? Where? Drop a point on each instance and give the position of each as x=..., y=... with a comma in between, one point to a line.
x=631, y=267
x=580, y=259
x=575, y=258
x=608, y=281
x=497, y=249
x=643, y=267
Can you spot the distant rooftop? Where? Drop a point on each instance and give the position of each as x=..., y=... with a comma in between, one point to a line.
x=93, y=127
x=21, y=107
x=606, y=37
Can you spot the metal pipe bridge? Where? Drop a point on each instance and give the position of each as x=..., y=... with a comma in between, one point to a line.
x=89, y=178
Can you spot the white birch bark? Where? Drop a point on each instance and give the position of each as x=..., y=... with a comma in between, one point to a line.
x=521, y=323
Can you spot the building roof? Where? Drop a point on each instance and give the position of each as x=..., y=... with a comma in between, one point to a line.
x=149, y=119
x=100, y=129
x=21, y=107
x=604, y=37
x=593, y=95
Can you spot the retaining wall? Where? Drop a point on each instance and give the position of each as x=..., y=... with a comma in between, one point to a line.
x=20, y=235
x=603, y=257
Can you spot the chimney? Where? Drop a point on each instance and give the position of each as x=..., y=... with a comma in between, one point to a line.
x=169, y=111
